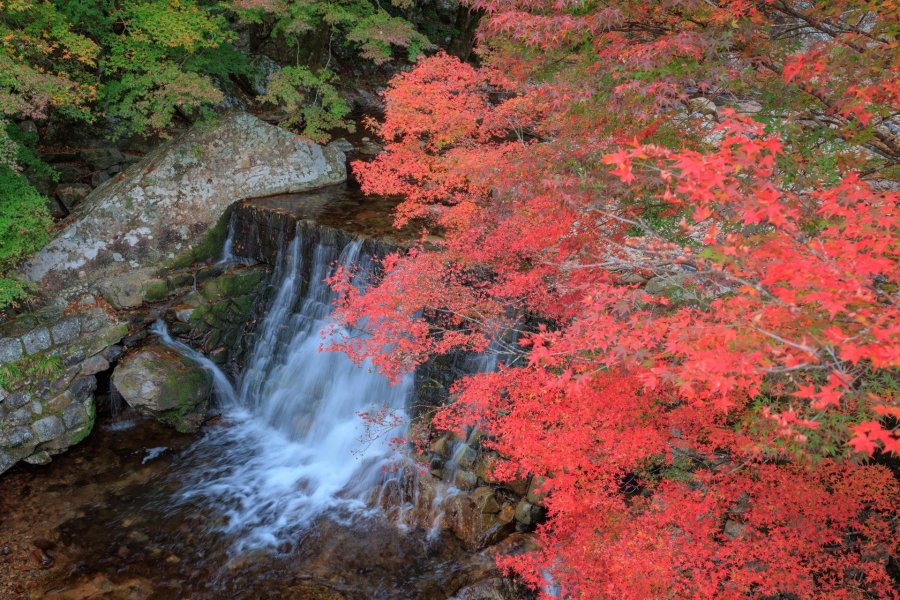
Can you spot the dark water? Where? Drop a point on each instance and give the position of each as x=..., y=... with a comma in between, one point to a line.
x=109, y=526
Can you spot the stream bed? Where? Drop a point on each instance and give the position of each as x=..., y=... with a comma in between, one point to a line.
x=279, y=495
x=108, y=520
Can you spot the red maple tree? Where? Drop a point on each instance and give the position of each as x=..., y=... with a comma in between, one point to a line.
x=690, y=207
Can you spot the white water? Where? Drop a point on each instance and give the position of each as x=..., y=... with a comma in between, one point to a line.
x=293, y=446
x=228, y=255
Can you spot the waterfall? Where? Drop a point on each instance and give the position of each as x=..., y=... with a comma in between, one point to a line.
x=293, y=445
x=228, y=256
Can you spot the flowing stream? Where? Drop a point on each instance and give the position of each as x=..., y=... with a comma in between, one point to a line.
x=294, y=446
x=288, y=495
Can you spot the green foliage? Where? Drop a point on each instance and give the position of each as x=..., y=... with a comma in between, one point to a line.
x=360, y=24
x=313, y=104
x=24, y=226
x=24, y=220
x=41, y=366
x=14, y=291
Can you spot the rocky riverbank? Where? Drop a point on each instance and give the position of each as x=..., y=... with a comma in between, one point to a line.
x=158, y=243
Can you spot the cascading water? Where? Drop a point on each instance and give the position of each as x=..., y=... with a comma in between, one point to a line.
x=293, y=446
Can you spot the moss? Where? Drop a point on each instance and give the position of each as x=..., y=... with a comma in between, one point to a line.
x=85, y=430
x=39, y=366
x=155, y=291
x=184, y=387
x=242, y=305
x=241, y=283
x=210, y=247
x=199, y=314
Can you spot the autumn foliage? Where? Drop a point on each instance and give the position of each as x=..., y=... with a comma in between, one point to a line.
x=687, y=212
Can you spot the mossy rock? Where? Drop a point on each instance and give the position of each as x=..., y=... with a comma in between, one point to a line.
x=160, y=383
x=155, y=291
x=208, y=249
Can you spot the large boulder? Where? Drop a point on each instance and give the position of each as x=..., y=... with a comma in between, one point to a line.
x=166, y=202
x=160, y=383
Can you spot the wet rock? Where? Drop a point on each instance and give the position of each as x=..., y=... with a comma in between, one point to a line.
x=83, y=388
x=160, y=383
x=465, y=480
x=75, y=415
x=466, y=456
x=113, y=353
x=71, y=194
x=527, y=513
x=39, y=458
x=494, y=588
x=535, y=493
x=473, y=518
x=94, y=364
x=169, y=199
x=127, y=290
x=102, y=158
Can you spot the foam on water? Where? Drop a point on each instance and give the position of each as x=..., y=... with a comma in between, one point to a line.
x=293, y=446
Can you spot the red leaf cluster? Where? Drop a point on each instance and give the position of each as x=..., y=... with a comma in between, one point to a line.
x=706, y=297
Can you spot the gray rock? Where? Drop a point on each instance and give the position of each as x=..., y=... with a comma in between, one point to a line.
x=69, y=172
x=48, y=428
x=342, y=144
x=6, y=461
x=83, y=387
x=71, y=194
x=169, y=200
x=36, y=340
x=701, y=105
x=676, y=286
x=10, y=350
x=102, y=158
x=18, y=399
x=66, y=331
x=98, y=178
x=41, y=457
x=74, y=416
x=527, y=513
x=28, y=126
x=20, y=416
x=465, y=456
x=160, y=383
x=74, y=358
x=94, y=364
x=126, y=290
x=264, y=67
x=748, y=107
x=19, y=436
x=93, y=319
x=113, y=353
